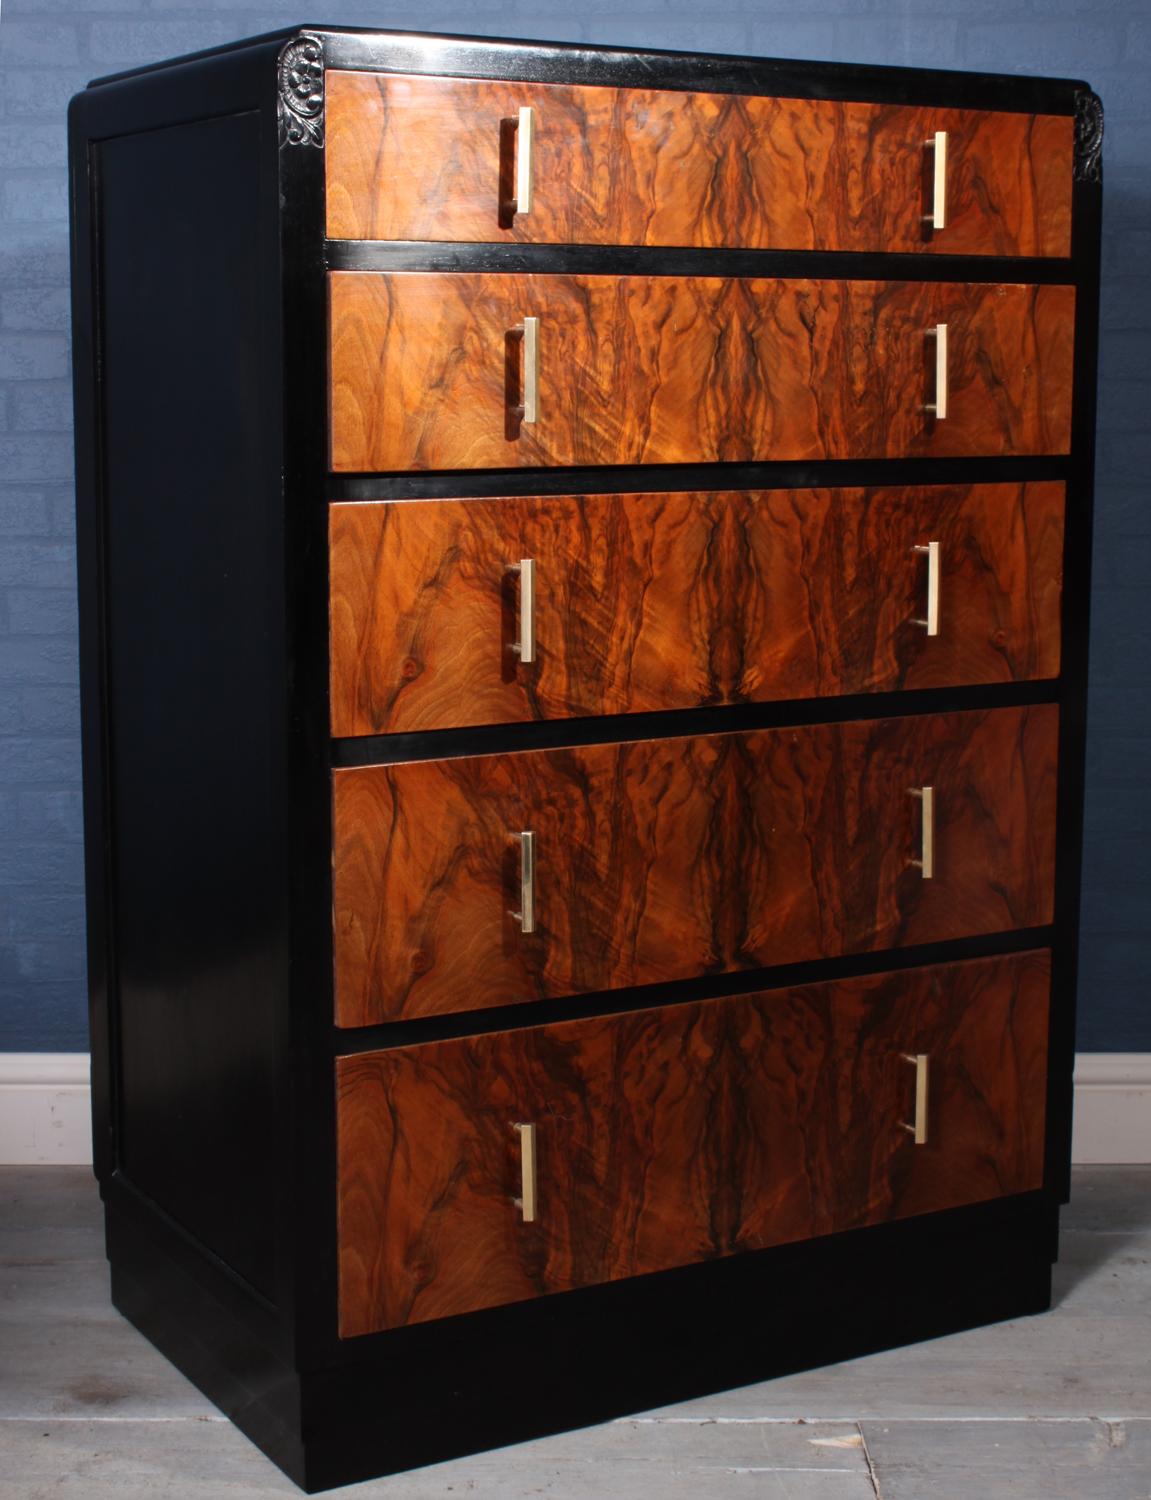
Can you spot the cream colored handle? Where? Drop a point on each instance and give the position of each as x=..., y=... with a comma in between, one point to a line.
x=526, y=1202
x=931, y=622
x=918, y=1129
x=926, y=864
x=939, y=406
x=525, y=647
x=526, y=916
x=524, y=144
x=531, y=330
x=937, y=218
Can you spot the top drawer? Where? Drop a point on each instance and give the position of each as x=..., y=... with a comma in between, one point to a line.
x=415, y=158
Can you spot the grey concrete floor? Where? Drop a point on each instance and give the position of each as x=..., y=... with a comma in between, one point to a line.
x=1056, y=1407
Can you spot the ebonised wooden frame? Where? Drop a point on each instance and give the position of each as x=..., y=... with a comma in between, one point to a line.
x=269, y=1355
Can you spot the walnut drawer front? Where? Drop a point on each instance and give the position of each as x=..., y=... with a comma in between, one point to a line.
x=658, y=860
x=670, y=1136
x=680, y=369
x=643, y=602
x=417, y=158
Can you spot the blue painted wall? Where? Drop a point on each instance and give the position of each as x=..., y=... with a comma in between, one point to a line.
x=48, y=50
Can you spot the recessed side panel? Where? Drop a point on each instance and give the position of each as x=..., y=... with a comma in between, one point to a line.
x=196, y=693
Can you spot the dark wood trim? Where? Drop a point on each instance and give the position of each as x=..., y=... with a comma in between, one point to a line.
x=633, y=260
x=491, y=739
x=619, y=478
x=347, y=1042
x=305, y=323
x=608, y=1002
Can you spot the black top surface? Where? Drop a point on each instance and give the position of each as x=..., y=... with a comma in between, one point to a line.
x=703, y=62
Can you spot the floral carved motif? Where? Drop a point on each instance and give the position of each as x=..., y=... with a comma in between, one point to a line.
x=301, y=103
x=1088, y=137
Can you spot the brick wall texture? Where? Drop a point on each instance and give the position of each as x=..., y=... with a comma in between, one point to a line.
x=48, y=50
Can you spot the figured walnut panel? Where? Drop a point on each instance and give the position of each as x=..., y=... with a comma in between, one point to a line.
x=667, y=859
x=419, y=158
x=426, y=369
x=672, y=1136
x=661, y=601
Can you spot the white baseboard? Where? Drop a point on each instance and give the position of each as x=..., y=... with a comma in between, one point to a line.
x=1112, y=1107
x=44, y=1108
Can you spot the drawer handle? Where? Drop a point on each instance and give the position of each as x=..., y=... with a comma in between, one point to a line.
x=524, y=143
x=526, y=1202
x=918, y=1130
x=526, y=916
x=529, y=331
x=931, y=623
x=525, y=647
x=926, y=863
x=939, y=406
x=937, y=218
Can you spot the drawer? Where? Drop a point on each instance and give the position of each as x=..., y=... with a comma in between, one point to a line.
x=676, y=1135
x=645, y=602
x=413, y=158
x=681, y=369
x=659, y=860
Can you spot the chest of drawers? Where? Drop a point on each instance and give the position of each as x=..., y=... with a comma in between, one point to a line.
x=584, y=571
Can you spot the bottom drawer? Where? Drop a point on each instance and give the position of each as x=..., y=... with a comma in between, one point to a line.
x=666, y=1136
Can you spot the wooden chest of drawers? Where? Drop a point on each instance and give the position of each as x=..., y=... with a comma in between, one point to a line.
x=584, y=562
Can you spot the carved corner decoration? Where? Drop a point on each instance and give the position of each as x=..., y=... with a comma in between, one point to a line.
x=1088, y=137
x=300, y=108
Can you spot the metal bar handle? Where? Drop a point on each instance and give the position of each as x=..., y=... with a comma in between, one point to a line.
x=526, y=1202
x=931, y=623
x=926, y=863
x=531, y=332
x=939, y=405
x=524, y=143
x=526, y=916
x=937, y=218
x=918, y=1129
x=525, y=647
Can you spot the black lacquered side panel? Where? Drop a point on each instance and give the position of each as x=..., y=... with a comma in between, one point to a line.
x=195, y=696
x=1087, y=206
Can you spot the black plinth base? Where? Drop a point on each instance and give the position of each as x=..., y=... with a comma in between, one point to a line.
x=421, y=1395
